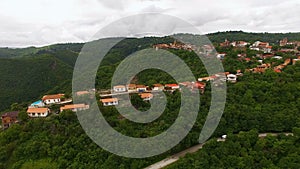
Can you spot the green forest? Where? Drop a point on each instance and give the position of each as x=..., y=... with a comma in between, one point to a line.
x=258, y=103
x=246, y=150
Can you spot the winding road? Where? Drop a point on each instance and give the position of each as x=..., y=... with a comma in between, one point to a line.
x=172, y=159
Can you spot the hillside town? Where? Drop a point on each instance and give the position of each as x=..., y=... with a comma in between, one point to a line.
x=42, y=108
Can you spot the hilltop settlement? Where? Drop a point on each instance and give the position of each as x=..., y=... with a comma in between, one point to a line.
x=265, y=57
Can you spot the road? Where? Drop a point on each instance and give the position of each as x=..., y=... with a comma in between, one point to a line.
x=175, y=157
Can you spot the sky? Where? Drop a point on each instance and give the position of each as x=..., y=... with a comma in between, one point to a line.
x=43, y=22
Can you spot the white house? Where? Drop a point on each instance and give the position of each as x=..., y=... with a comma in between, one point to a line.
x=141, y=88
x=158, y=87
x=37, y=112
x=52, y=99
x=231, y=78
x=131, y=88
x=146, y=96
x=277, y=57
x=221, y=56
x=110, y=102
x=172, y=86
x=119, y=88
x=74, y=107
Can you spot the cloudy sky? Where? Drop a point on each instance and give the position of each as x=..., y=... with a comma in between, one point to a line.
x=43, y=22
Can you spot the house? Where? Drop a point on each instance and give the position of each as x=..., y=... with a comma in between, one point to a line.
x=119, y=88
x=261, y=68
x=39, y=103
x=267, y=55
x=158, y=87
x=267, y=49
x=141, y=88
x=295, y=61
x=37, y=112
x=247, y=59
x=226, y=43
x=232, y=78
x=110, y=101
x=261, y=46
x=186, y=84
x=221, y=56
x=146, y=96
x=172, y=86
x=283, y=42
x=74, y=107
x=287, y=50
x=205, y=79
x=207, y=49
x=260, y=61
x=81, y=93
x=131, y=87
x=277, y=57
x=199, y=85
x=9, y=118
x=277, y=70
x=286, y=62
x=239, y=73
x=52, y=99
x=242, y=55
x=241, y=44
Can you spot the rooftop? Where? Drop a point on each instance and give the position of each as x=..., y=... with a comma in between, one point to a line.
x=54, y=96
x=10, y=114
x=73, y=106
x=109, y=100
x=36, y=110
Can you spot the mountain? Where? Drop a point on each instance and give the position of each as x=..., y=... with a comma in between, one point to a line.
x=28, y=73
x=252, y=37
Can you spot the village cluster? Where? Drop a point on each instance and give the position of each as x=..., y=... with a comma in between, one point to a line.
x=41, y=108
x=267, y=52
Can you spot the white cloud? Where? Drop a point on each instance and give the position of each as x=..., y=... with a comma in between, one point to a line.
x=41, y=22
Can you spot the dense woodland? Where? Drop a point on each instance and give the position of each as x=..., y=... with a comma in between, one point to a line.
x=268, y=102
x=246, y=150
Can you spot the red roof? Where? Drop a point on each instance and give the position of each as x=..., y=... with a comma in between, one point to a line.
x=277, y=70
x=141, y=86
x=199, y=85
x=146, y=95
x=54, y=96
x=171, y=85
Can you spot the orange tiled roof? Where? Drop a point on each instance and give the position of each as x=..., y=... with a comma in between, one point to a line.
x=82, y=93
x=73, y=106
x=171, y=85
x=119, y=86
x=54, y=96
x=131, y=85
x=109, y=100
x=140, y=86
x=36, y=110
x=146, y=95
x=158, y=85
